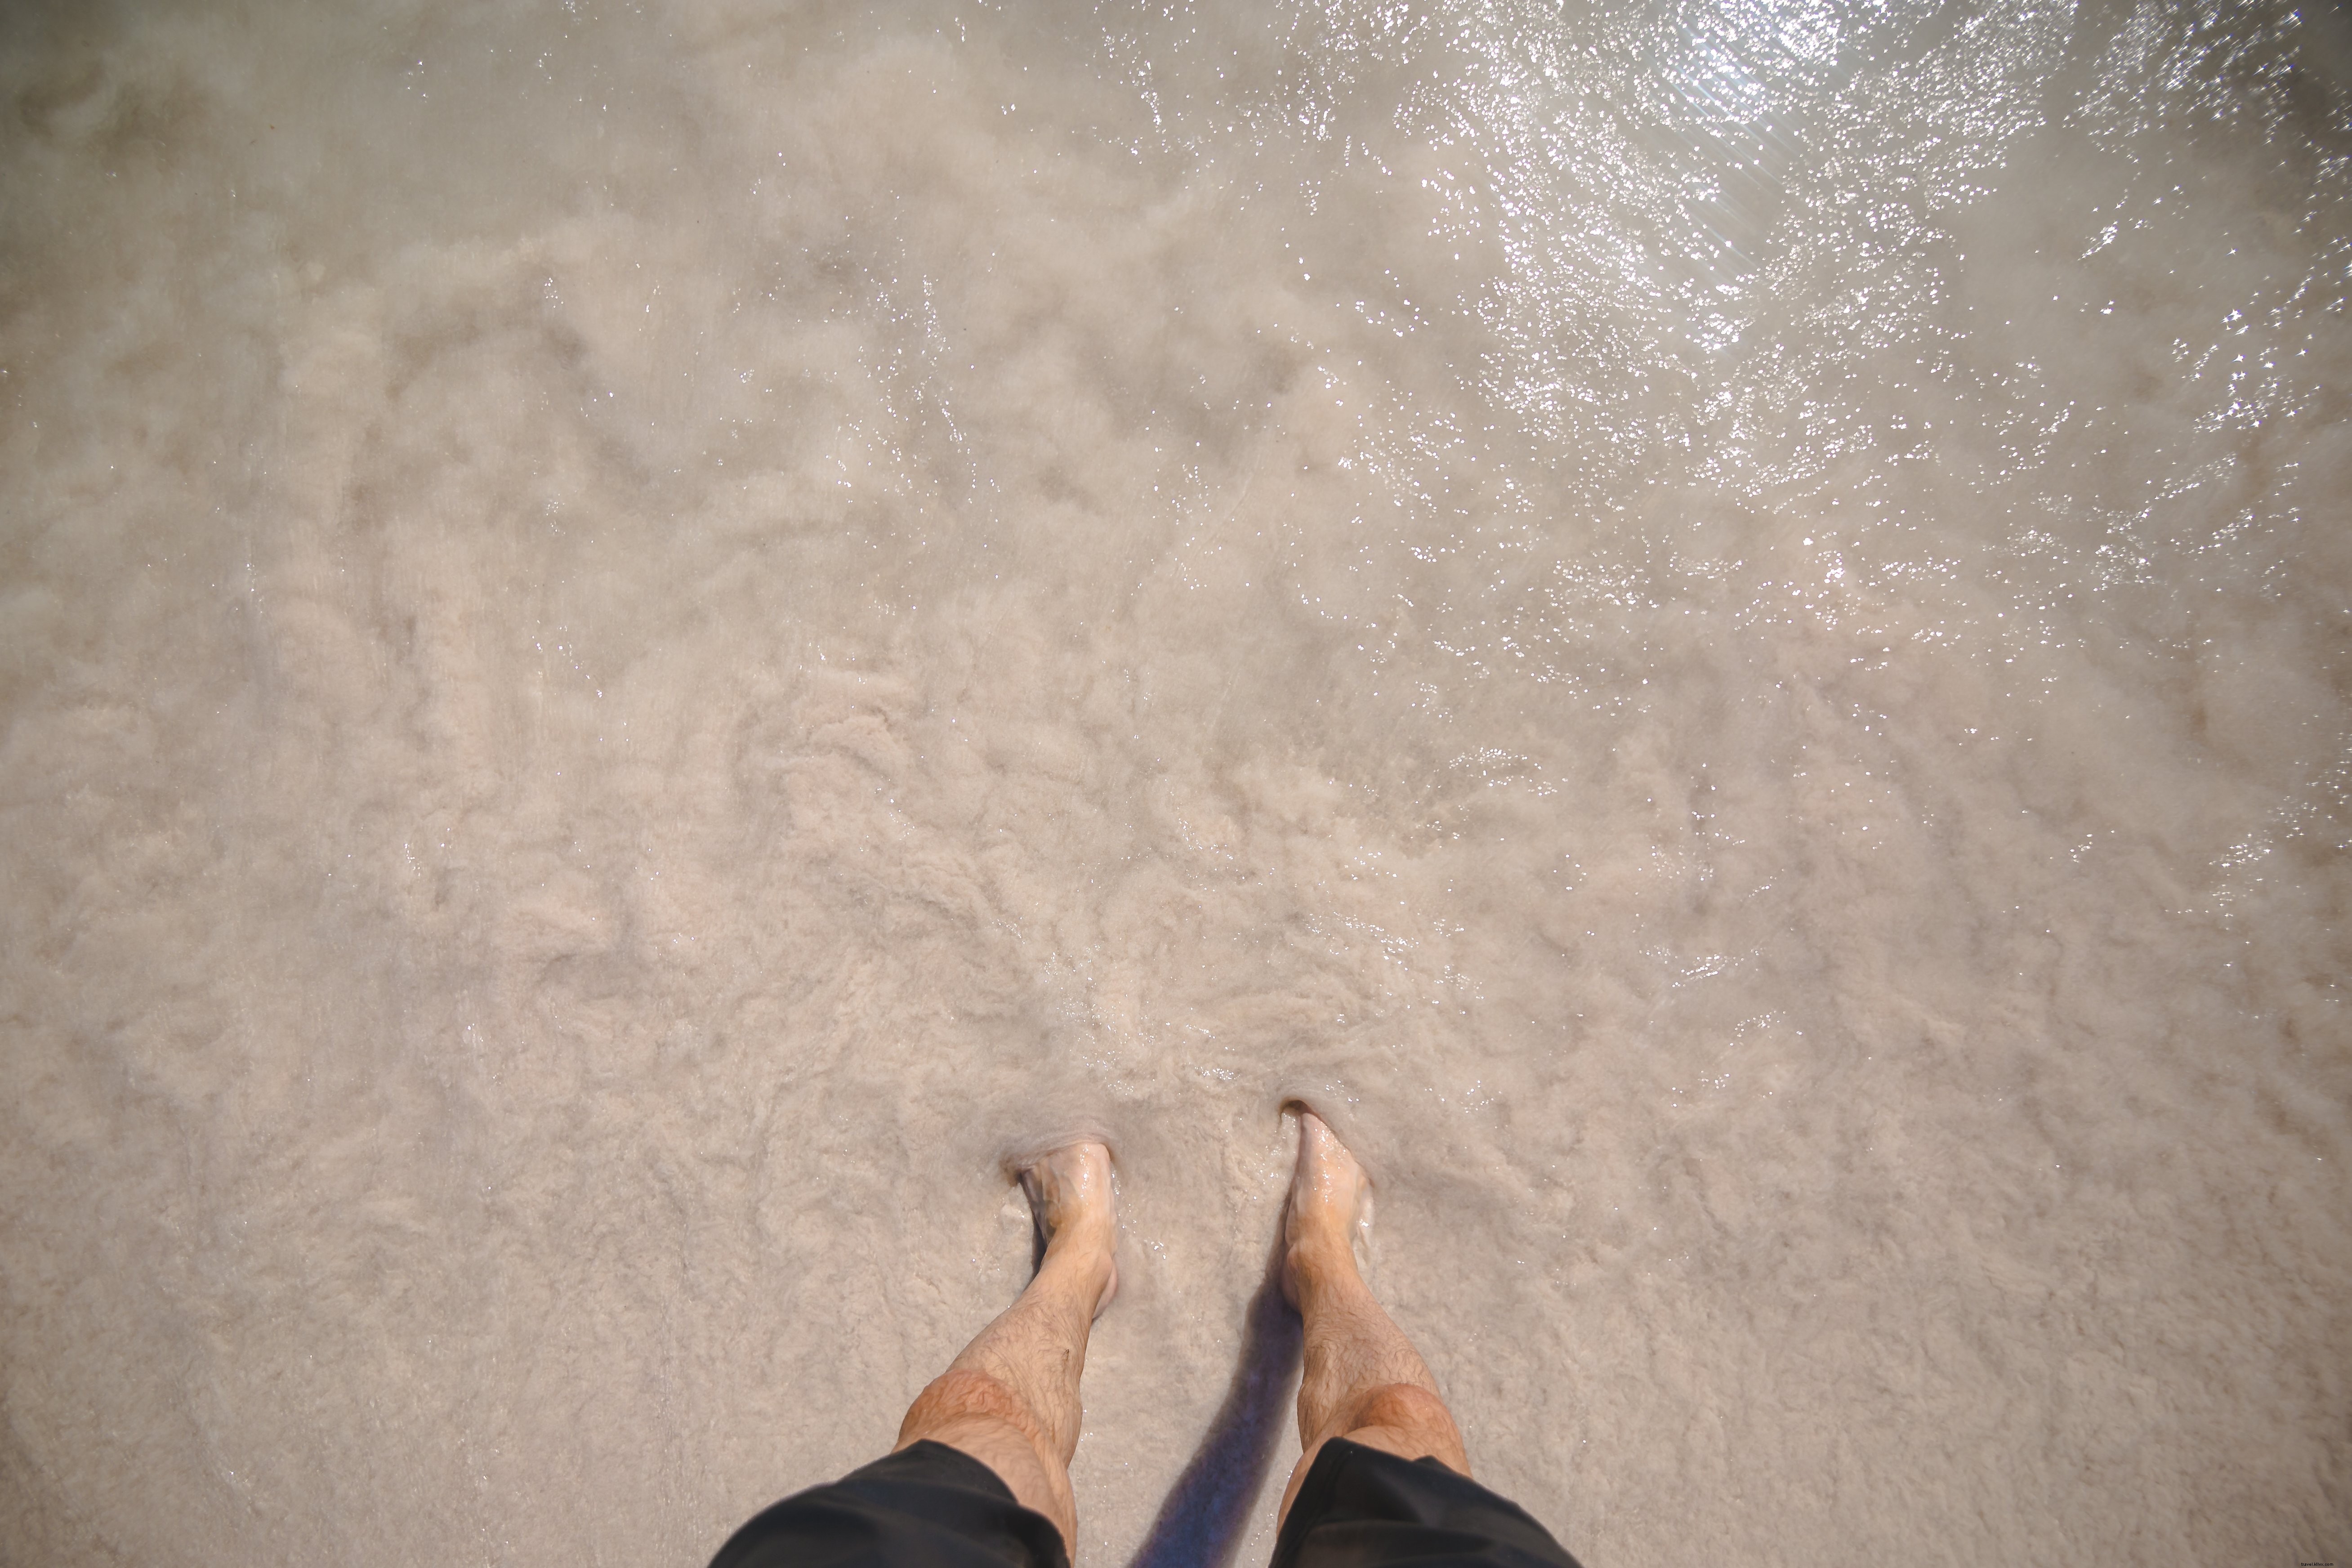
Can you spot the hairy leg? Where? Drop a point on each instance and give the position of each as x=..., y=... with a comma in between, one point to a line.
x=1011, y=1399
x=1363, y=1380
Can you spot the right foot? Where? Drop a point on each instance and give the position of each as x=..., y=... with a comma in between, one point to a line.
x=1326, y=1203
x=1070, y=1197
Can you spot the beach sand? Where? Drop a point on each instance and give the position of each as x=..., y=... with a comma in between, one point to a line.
x=638, y=638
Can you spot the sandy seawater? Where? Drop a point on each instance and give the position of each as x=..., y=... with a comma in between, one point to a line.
x=635, y=637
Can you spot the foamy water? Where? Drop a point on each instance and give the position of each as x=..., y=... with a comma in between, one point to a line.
x=638, y=638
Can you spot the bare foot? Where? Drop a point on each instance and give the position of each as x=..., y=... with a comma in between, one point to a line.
x=1070, y=1198
x=1327, y=1202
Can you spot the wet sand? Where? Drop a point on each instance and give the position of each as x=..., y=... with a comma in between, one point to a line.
x=635, y=637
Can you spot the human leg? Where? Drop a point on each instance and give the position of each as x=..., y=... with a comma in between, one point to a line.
x=1011, y=1399
x=1363, y=1380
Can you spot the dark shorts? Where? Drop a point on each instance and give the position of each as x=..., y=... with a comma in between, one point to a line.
x=930, y=1505
x=1360, y=1508
x=926, y=1506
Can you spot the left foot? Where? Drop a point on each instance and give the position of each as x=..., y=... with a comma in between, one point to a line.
x=1070, y=1194
x=1328, y=1192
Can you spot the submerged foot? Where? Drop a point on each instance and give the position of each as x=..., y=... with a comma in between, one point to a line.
x=1326, y=1203
x=1070, y=1198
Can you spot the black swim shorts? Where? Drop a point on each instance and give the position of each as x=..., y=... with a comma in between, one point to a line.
x=930, y=1505
x=926, y=1506
x=1361, y=1508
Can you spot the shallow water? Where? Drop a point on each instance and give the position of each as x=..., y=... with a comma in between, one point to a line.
x=639, y=637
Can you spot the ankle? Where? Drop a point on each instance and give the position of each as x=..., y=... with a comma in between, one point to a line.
x=1085, y=1237
x=1082, y=1262
x=1318, y=1267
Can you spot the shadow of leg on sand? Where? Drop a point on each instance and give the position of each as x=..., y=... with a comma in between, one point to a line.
x=1200, y=1523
